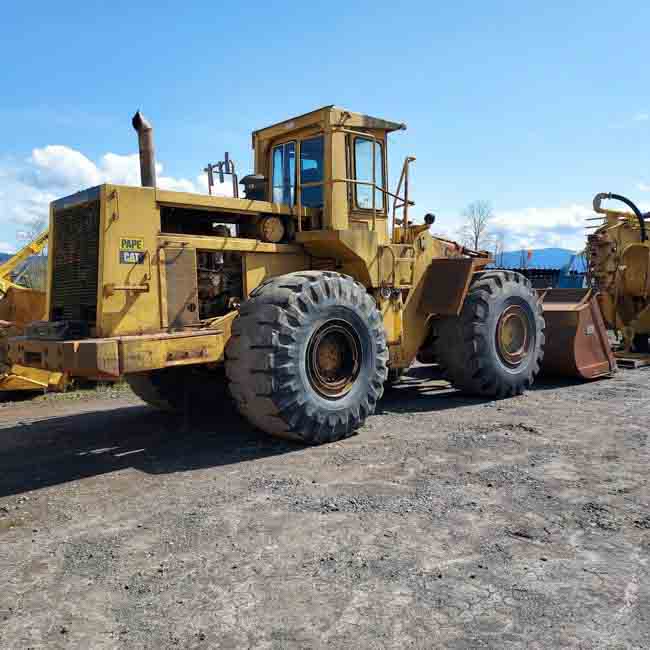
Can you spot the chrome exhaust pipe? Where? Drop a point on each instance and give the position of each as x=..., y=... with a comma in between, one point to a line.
x=147, y=153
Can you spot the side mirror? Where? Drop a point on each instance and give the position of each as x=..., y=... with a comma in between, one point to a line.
x=429, y=219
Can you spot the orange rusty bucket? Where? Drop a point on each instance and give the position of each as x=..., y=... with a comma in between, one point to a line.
x=576, y=337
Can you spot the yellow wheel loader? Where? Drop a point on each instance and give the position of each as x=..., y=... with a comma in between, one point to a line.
x=301, y=297
x=20, y=305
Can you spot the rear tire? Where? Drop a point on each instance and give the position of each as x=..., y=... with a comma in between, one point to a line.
x=495, y=347
x=171, y=389
x=307, y=356
x=641, y=344
x=427, y=352
x=395, y=376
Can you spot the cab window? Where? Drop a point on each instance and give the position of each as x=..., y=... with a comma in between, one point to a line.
x=284, y=173
x=311, y=171
x=363, y=172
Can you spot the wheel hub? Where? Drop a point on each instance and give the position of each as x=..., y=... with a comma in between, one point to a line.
x=334, y=359
x=513, y=335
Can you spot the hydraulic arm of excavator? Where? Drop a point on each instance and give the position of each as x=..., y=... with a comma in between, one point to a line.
x=19, y=305
x=12, y=264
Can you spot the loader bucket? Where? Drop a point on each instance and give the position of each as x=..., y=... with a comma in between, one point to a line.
x=576, y=337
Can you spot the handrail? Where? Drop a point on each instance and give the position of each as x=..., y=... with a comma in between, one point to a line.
x=404, y=178
x=397, y=260
x=367, y=136
x=298, y=190
x=354, y=181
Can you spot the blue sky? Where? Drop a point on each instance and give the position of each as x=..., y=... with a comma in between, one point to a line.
x=532, y=106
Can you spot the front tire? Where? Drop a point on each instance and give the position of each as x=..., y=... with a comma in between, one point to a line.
x=495, y=347
x=307, y=356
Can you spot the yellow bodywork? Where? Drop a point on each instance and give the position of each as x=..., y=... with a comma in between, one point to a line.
x=619, y=264
x=146, y=278
x=19, y=306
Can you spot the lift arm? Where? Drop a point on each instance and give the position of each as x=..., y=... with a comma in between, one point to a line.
x=7, y=268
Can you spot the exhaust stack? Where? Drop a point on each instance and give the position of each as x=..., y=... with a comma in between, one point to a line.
x=147, y=153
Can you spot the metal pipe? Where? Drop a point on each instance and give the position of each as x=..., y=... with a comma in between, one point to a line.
x=298, y=190
x=374, y=183
x=147, y=153
x=617, y=197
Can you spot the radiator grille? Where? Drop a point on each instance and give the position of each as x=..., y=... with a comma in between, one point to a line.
x=75, y=263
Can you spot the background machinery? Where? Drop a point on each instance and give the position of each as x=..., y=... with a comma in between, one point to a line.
x=303, y=296
x=618, y=277
x=21, y=303
x=619, y=266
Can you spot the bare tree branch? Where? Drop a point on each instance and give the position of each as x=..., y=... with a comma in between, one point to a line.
x=475, y=231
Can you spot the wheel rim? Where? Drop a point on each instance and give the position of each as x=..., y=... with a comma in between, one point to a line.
x=334, y=359
x=513, y=336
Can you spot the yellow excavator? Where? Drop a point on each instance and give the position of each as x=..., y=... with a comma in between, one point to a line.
x=19, y=306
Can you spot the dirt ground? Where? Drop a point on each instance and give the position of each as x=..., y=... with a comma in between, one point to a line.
x=446, y=522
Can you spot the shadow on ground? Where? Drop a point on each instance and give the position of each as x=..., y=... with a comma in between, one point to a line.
x=424, y=389
x=62, y=449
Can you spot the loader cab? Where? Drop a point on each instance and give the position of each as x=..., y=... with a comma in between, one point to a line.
x=330, y=163
x=284, y=172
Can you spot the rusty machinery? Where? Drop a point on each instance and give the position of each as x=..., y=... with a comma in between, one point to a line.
x=305, y=296
x=618, y=253
x=617, y=297
x=577, y=342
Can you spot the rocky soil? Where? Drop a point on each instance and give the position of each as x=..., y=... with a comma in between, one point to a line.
x=446, y=522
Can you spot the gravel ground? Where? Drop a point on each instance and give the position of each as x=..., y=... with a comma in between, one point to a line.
x=446, y=522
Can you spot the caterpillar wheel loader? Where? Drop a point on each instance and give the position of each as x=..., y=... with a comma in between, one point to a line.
x=20, y=305
x=304, y=296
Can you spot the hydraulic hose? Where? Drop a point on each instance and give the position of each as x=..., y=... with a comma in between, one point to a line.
x=617, y=197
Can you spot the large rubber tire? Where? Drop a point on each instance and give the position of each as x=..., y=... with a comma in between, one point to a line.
x=467, y=347
x=268, y=357
x=174, y=389
x=641, y=344
x=427, y=352
x=395, y=376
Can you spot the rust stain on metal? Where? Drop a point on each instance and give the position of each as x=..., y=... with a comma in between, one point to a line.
x=576, y=336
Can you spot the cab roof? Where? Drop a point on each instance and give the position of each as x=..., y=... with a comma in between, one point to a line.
x=327, y=114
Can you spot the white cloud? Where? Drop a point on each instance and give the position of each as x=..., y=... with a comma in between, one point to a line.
x=644, y=187
x=54, y=171
x=6, y=248
x=549, y=227
x=546, y=227
x=642, y=117
x=123, y=170
x=59, y=166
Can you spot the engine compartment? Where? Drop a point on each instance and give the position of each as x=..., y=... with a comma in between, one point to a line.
x=219, y=281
